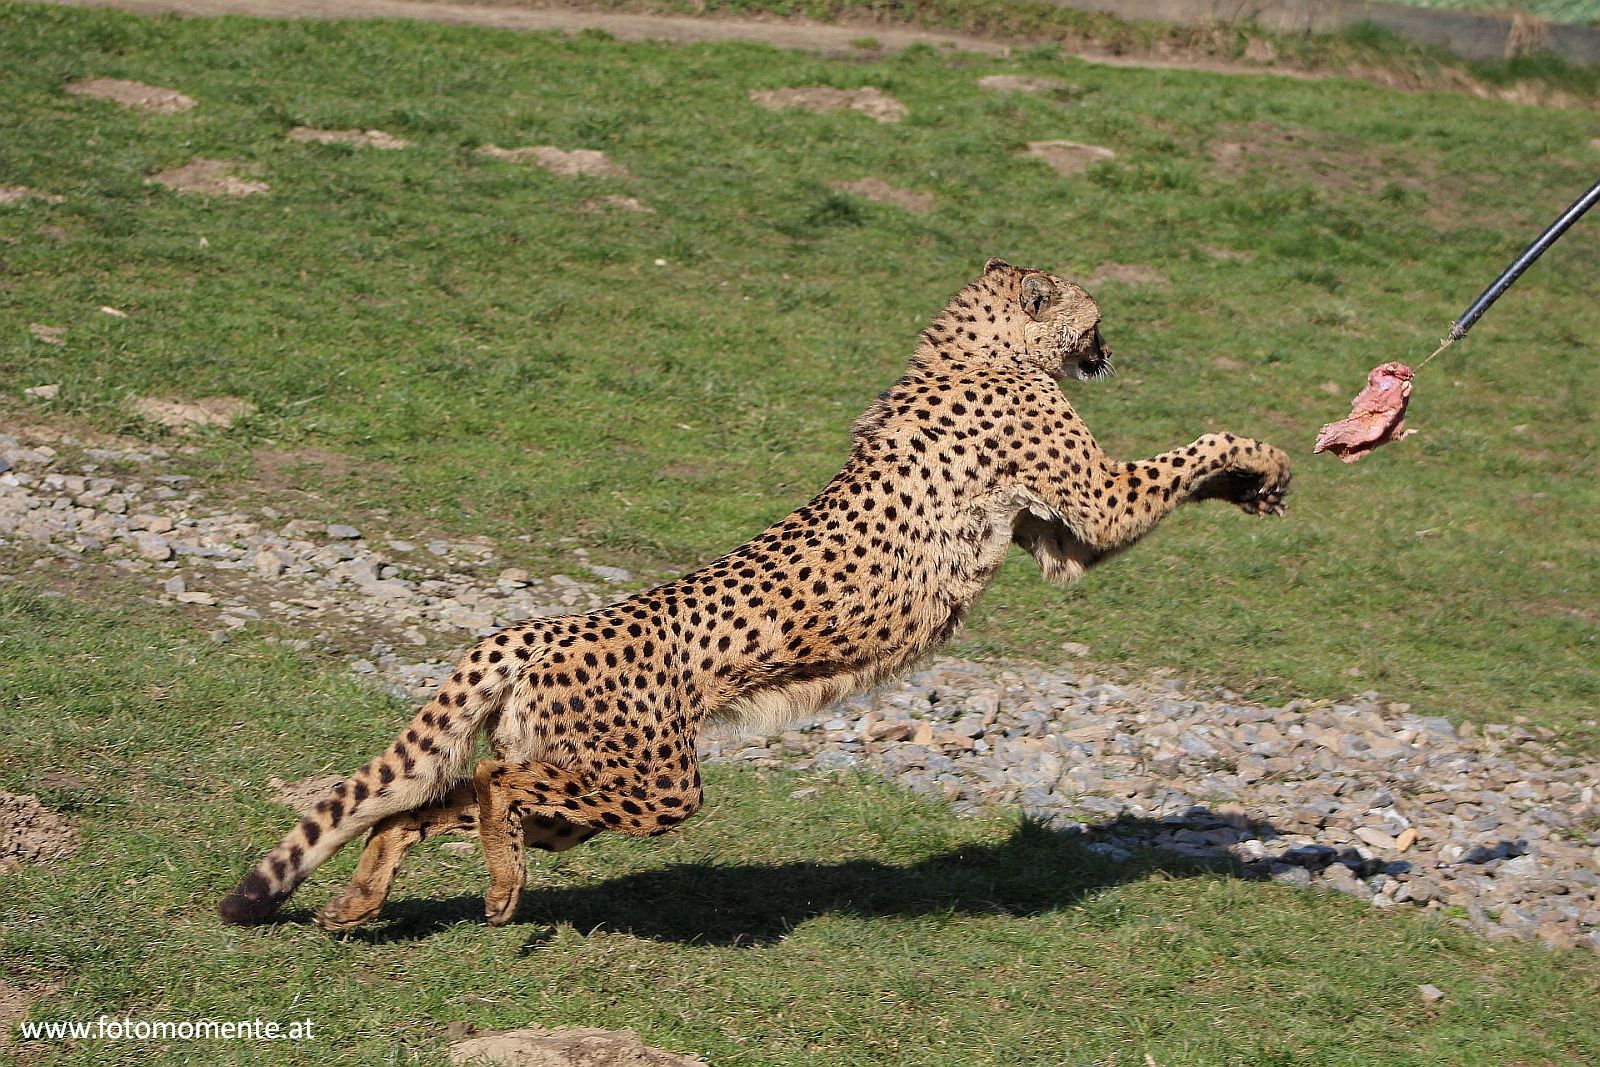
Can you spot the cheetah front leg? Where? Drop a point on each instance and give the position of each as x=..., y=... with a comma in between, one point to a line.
x=1114, y=504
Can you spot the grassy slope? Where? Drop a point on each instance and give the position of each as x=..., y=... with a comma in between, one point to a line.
x=863, y=927
x=496, y=359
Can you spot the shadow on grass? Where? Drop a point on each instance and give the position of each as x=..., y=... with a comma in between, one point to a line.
x=1036, y=870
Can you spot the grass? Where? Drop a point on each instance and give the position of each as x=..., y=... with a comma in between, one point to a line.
x=490, y=357
x=458, y=341
x=862, y=927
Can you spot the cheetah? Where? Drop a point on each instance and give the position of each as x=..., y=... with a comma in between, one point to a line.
x=592, y=719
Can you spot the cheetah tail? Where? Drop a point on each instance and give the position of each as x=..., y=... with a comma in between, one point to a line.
x=433, y=752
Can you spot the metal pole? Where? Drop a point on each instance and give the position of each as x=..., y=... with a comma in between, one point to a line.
x=1588, y=200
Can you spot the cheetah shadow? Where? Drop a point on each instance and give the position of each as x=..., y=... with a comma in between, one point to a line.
x=1036, y=870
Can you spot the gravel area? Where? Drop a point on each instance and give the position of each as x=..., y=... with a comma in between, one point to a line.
x=1489, y=823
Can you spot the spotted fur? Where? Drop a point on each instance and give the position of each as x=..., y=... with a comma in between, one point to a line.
x=592, y=719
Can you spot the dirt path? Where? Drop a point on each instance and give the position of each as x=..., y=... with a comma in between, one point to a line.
x=795, y=34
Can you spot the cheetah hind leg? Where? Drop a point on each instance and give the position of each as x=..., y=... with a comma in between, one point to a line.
x=386, y=849
x=390, y=840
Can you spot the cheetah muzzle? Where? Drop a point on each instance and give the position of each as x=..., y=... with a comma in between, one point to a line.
x=592, y=719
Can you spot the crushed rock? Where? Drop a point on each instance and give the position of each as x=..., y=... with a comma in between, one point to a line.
x=1069, y=157
x=869, y=101
x=184, y=415
x=1022, y=83
x=1127, y=274
x=565, y=1046
x=303, y=795
x=358, y=138
x=32, y=833
x=881, y=191
x=577, y=163
x=16, y=194
x=137, y=95
x=211, y=177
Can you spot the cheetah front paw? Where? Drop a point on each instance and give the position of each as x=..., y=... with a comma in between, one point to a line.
x=1258, y=486
x=1266, y=489
x=500, y=905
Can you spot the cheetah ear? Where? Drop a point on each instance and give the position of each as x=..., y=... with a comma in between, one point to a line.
x=994, y=265
x=1038, y=293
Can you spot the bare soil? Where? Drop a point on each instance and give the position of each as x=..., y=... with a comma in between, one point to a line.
x=50, y=335
x=182, y=415
x=1315, y=157
x=15, y=1003
x=618, y=203
x=565, y=1046
x=1128, y=274
x=1069, y=157
x=211, y=177
x=358, y=138
x=32, y=833
x=137, y=95
x=869, y=101
x=881, y=191
x=576, y=163
x=1021, y=83
x=15, y=194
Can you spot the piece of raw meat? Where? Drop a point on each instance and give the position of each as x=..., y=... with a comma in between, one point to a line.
x=1377, y=416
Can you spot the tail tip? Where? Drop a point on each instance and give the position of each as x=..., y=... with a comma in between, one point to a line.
x=253, y=902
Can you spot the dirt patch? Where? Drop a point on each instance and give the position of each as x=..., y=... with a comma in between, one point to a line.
x=1069, y=157
x=884, y=193
x=565, y=1046
x=182, y=415
x=303, y=795
x=50, y=335
x=1314, y=157
x=15, y=1003
x=618, y=203
x=1227, y=255
x=1128, y=274
x=1021, y=83
x=137, y=95
x=874, y=103
x=577, y=163
x=32, y=833
x=280, y=469
x=358, y=138
x=211, y=177
x=16, y=194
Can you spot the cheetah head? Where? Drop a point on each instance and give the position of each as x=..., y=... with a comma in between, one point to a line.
x=1060, y=322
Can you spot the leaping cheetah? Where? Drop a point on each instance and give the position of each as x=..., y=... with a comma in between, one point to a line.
x=592, y=719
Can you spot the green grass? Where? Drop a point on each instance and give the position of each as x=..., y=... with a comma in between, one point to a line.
x=862, y=927
x=1579, y=11
x=494, y=359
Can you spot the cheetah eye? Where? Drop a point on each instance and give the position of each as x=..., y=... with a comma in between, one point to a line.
x=1038, y=294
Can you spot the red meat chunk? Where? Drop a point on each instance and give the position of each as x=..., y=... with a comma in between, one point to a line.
x=1377, y=416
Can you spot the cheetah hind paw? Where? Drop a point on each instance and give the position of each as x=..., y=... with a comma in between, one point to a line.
x=352, y=908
